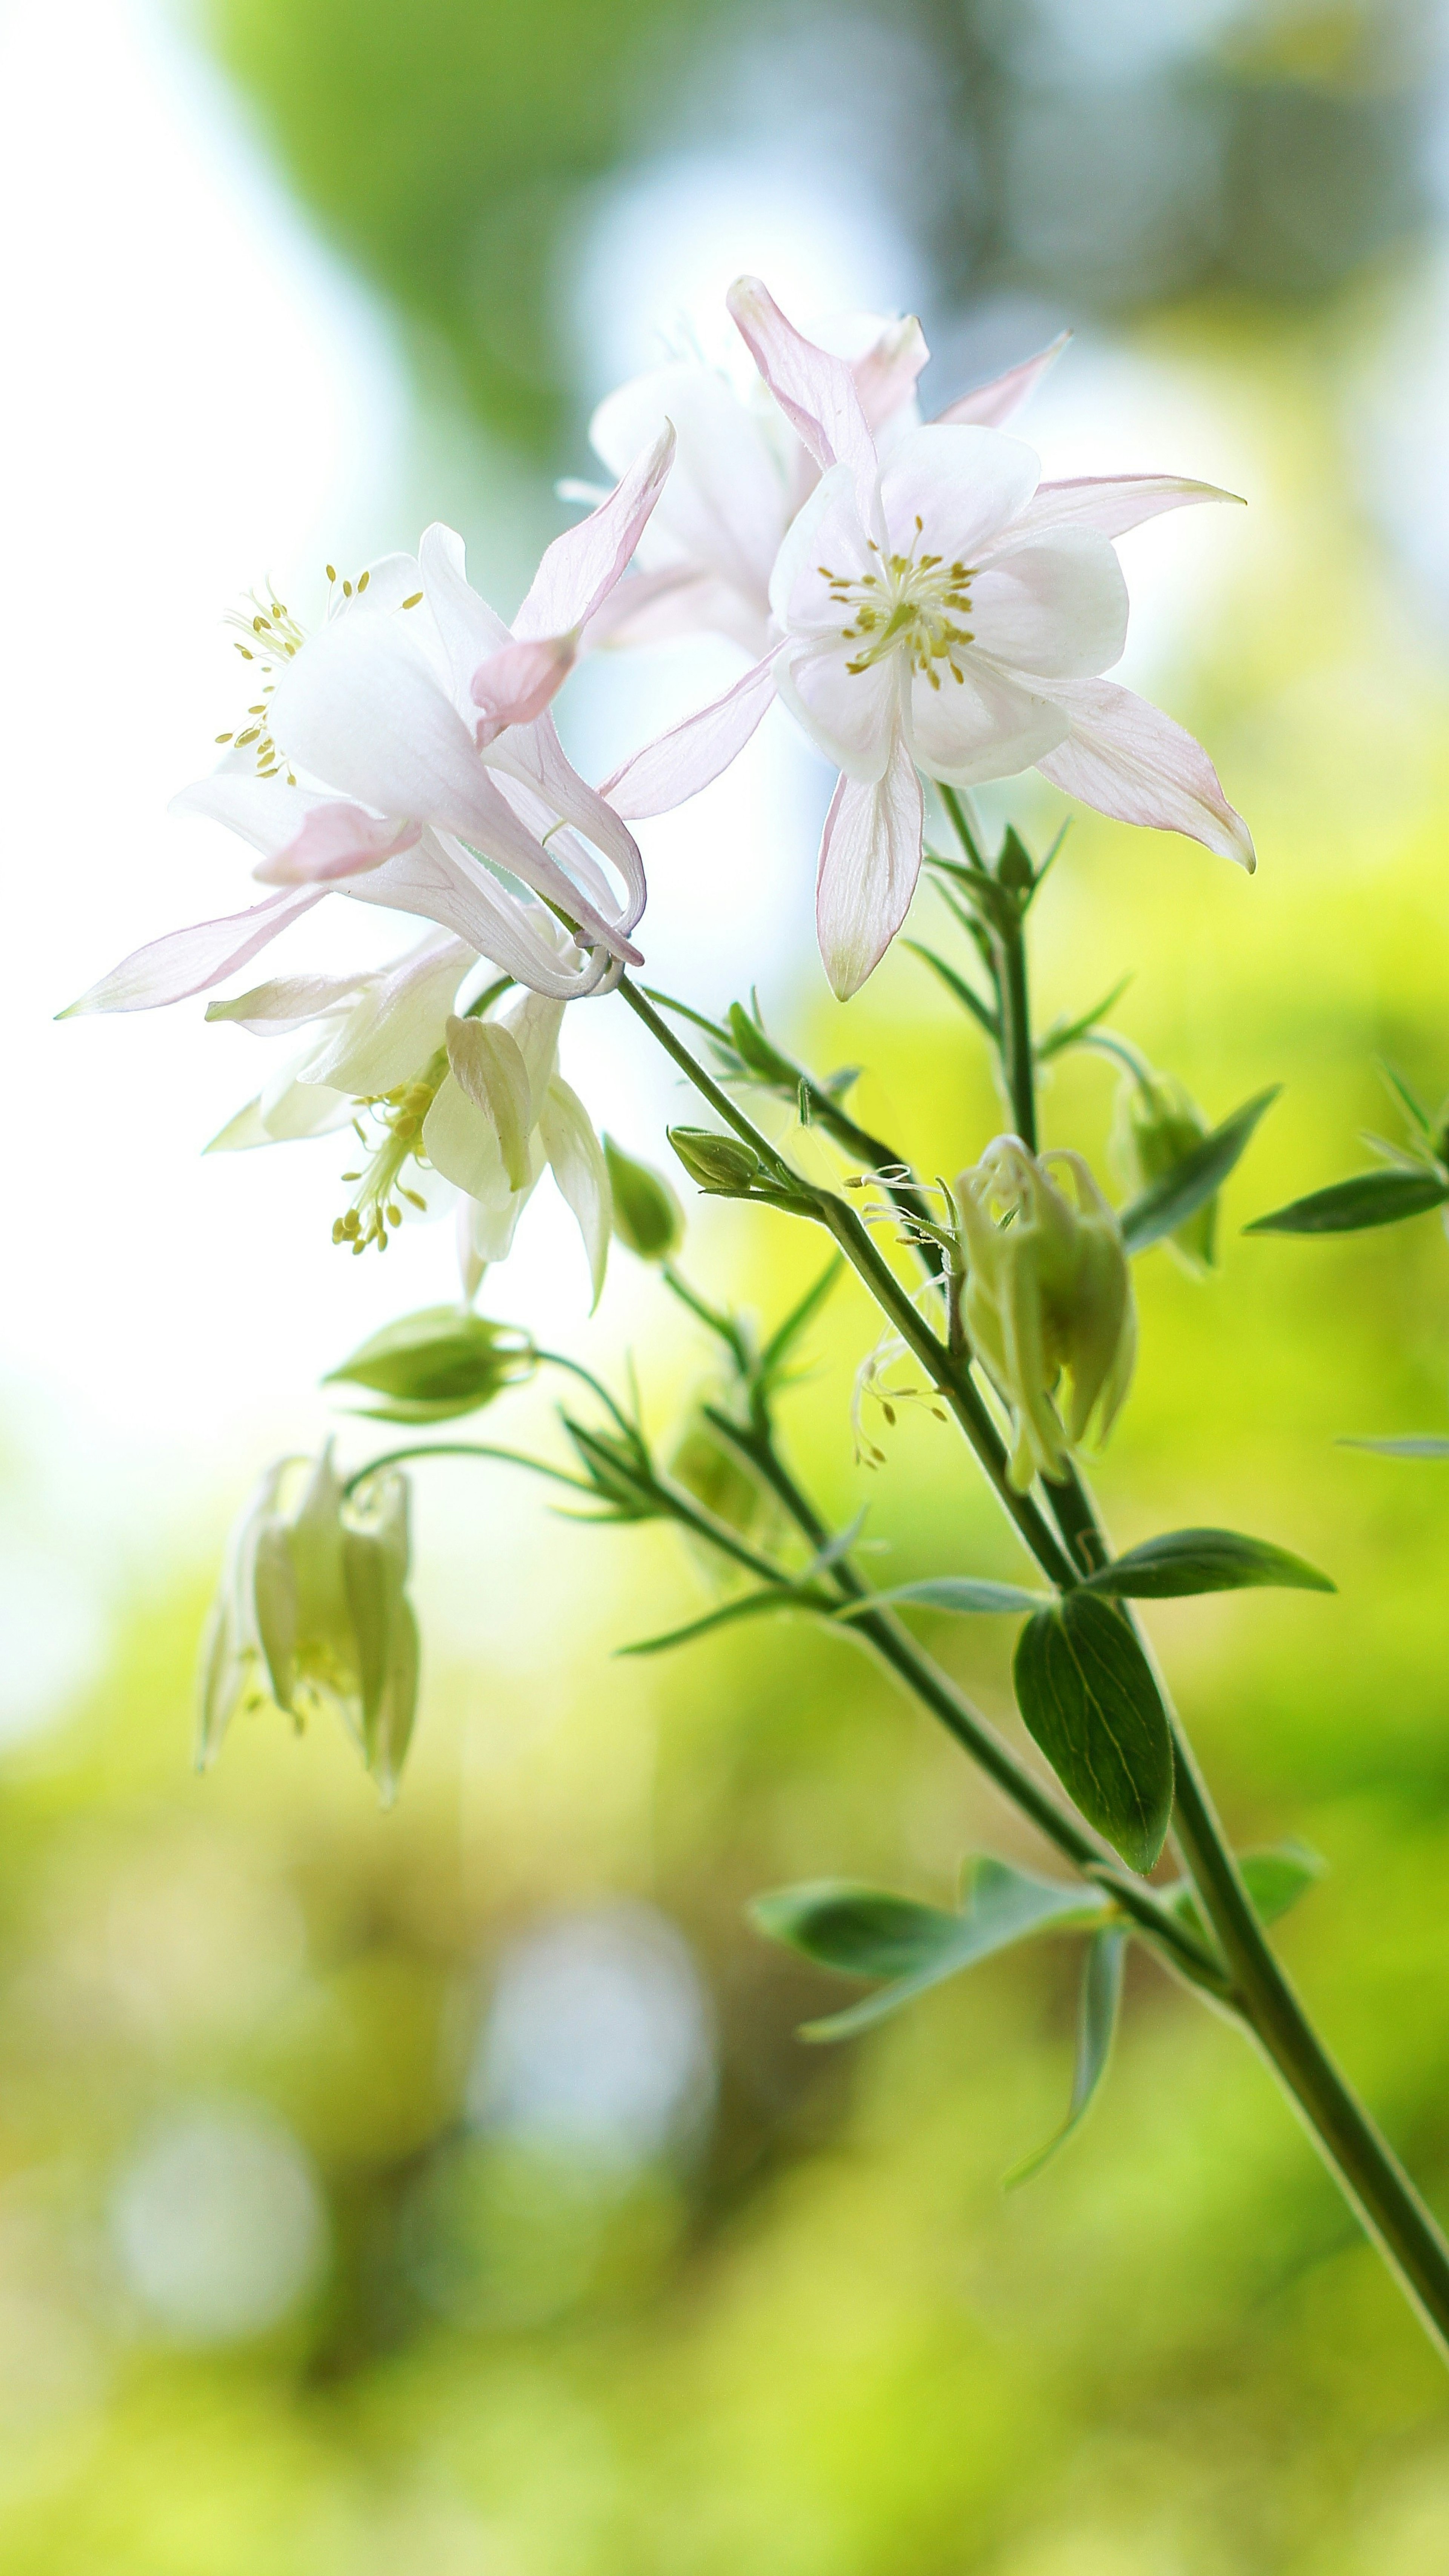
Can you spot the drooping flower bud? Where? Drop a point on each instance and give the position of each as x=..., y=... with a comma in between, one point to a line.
x=1158, y=1125
x=312, y=1612
x=724, y=1165
x=648, y=1218
x=1048, y=1293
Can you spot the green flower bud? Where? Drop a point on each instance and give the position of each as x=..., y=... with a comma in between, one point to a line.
x=648, y=1218
x=312, y=1612
x=434, y=1365
x=1048, y=1291
x=1158, y=1125
x=722, y=1164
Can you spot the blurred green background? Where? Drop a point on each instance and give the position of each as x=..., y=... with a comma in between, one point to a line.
x=446, y=2193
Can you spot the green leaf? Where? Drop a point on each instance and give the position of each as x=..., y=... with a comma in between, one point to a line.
x=1275, y=1879
x=1204, y=1560
x=1198, y=1177
x=776, y=1597
x=957, y=1592
x=1097, y=2017
x=863, y=1932
x=1350, y=1207
x=1417, y=1115
x=1089, y=1700
x=957, y=986
x=1419, y=1444
x=439, y=1363
x=1064, y=1034
x=785, y=1336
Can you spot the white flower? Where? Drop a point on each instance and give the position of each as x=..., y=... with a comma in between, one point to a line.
x=943, y=612
x=385, y=757
x=476, y=1101
x=741, y=473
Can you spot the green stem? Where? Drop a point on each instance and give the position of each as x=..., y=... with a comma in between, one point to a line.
x=1018, y=1063
x=462, y=1449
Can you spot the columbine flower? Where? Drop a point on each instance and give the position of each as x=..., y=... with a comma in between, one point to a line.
x=385, y=757
x=1047, y=1290
x=477, y=1101
x=741, y=473
x=312, y=1613
x=944, y=612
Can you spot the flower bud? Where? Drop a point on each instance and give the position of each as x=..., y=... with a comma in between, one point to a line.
x=1158, y=1125
x=312, y=1612
x=648, y=1218
x=724, y=1165
x=1047, y=1291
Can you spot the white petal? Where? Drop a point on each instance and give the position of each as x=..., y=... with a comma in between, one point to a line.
x=287, y=1110
x=488, y=1065
x=827, y=542
x=442, y=882
x=534, y=1023
x=534, y=753
x=885, y=376
x=725, y=506
x=679, y=763
x=397, y=1023
x=815, y=391
x=870, y=858
x=278, y=1008
x=964, y=485
x=577, y=1159
x=337, y=839
x=469, y=629
x=659, y=607
x=189, y=961
x=985, y=725
x=853, y=716
x=991, y=405
x=462, y=1144
x=384, y=586
x=581, y=567
x=1058, y=609
x=362, y=708
x=1112, y=503
x=1128, y=759
x=267, y=812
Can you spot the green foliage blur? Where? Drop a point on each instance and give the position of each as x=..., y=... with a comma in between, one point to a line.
x=802, y=2329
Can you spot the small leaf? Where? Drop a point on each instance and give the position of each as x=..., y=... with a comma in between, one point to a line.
x=1417, y=1115
x=1419, y=1444
x=1089, y=1700
x=778, y=1597
x=438, y=1363
x=785, y=1336
x=957, y=986
x=863, y=1932
x=1097, y=2016
x=1064, y=1034
x=1350, y=1207
x=1275, y=1879
x=1171, y=1201
x=957, y=1592
x=1204, y=1560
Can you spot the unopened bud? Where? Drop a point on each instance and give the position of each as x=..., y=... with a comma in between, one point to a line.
x=723, y=1164
x=648, y=1218
x=1158, y=1125
x=1048, y=1294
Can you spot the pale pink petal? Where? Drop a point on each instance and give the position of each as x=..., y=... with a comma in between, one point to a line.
x=267, y=812
x=577, y=1160
x=870, y=858
x=661, y=607
x=581, y=567
x=535, y=754
x=828, y=545
x=1112, y=503
x=679, y=763
x=885, y=376
x=815, y=392
x=963, y=486
x=469, y=628
x=189, y=961
x=725, y=507
x=440, y=881
x=337, y=839
x=853, y=716
x=516, y=683
x=279, y=1008
x=1128, y=759
x=991, y=405
x=986, y=724
x=1058, y=609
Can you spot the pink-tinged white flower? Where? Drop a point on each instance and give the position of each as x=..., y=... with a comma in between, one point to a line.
x=741, y=473
x=940, y=611
x=401, y=755
x=443, y=1102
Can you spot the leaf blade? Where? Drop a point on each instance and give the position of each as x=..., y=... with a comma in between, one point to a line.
x=1169, y=1202
x=1098, y=2014
x=1088, y=1700
x=961, y=1594
x=749, y=1606
x=1183, y=1562
x=1353, y=1206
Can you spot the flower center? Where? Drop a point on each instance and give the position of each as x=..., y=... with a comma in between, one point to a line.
x=399, y=1115
x=270, y=636
x=913, y=603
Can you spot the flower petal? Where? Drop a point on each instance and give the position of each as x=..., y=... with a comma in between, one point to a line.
x=725, y=507
x=870, y=858
x=468, y=628
x=1058, y=609
x=1127, y=758
x=990, y=405
x=1112, y=503
x=985, y=725
x=441, y=881
x=487, y=1063
x=287, y=1003
x=361, y=708
x=577, y=1159
x=396, y=1024
x=534, y=754
x=337, y=839
x=267, y=812
x=285, y=1112
x=964, y=486
x=815, y=392
x=516, y=683
x=852, y=715
x=462, y=1144
x=581, y=567
x=189, y=961
x=827, y=543
x=679, y=763
x=885, y=375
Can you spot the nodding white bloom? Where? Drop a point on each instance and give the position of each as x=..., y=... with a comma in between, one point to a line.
x=474, y=1101
x=741, y=473
x=939, y=611
x=384, y=757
